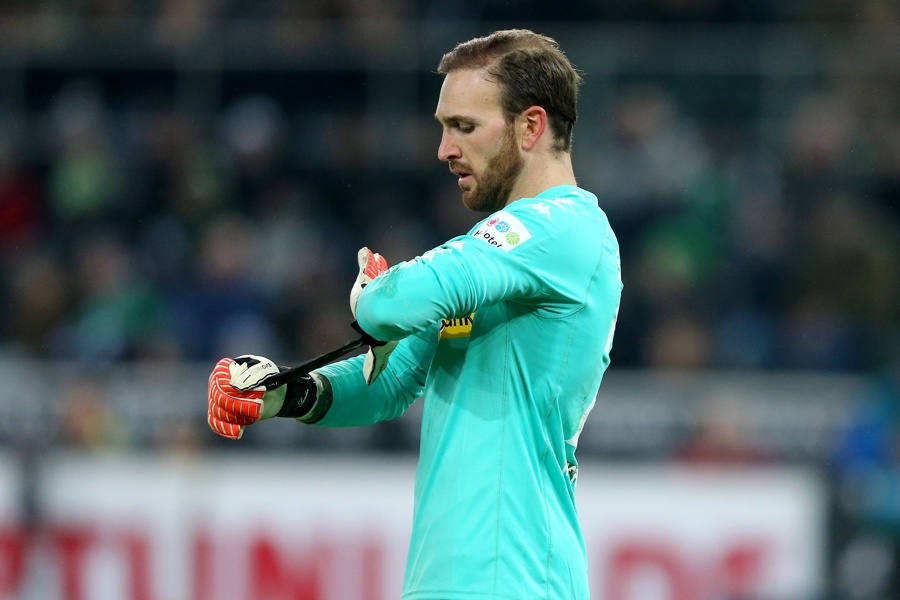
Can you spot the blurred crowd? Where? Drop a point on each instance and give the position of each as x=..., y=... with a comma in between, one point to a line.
x=132, y=229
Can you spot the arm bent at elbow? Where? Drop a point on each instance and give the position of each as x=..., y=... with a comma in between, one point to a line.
x=409, y=299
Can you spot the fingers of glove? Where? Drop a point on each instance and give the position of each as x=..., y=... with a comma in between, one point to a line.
x=227, y=416
x=223, y=394
x=371, y=265
x=250, y=371
x=377, y=360
x=224, y=363
x=228, y=430
x=245, y=407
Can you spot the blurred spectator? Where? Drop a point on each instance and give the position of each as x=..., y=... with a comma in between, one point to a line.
x=21, y=200
x=723, y=438
x=118, y=315
x=254, y=131
x=866, y=468
x=182, y=23
x=652, y=158
x=40, y=298
x=844, y=273
x=678, y=341
x=87, y=421
x=871, y=440
x=85, y=180
x=222, y=308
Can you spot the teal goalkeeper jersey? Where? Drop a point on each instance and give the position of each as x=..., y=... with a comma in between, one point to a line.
x=505, y=334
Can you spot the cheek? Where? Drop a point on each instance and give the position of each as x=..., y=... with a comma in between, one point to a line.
x=483, y=151
x=477, y=149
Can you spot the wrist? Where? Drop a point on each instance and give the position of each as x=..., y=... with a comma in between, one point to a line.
x=272, y=403
x=307, y=399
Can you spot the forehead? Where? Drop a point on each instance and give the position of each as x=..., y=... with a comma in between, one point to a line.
x=468, y=92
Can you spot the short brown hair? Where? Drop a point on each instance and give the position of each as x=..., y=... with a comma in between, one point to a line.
x=531, y=71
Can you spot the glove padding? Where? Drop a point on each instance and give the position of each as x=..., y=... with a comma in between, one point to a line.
x=237, y=394
x=249, y=371
x=371, y=265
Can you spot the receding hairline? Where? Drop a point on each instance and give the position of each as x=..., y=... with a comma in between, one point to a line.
x=483, y=52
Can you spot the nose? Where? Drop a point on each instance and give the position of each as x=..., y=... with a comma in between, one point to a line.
x=448, y=150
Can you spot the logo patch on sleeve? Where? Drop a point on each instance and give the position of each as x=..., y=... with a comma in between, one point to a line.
x=503, y=230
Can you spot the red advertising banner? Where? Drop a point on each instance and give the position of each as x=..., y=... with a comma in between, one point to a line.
x=326, y=528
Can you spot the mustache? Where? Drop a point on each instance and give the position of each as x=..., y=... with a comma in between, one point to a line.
x=457, y=167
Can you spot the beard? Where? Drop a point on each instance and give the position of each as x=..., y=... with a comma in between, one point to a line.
x=496, y=183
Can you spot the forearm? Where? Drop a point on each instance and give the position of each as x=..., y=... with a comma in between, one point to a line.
x=353, y=402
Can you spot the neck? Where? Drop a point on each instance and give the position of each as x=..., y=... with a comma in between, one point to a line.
x=543, y=175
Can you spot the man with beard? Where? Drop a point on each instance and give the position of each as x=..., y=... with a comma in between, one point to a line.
x=504, y=333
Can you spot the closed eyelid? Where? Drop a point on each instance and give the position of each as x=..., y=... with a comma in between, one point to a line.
x=457, y=122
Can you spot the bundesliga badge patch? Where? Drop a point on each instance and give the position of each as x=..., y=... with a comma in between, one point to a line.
x=503, y=230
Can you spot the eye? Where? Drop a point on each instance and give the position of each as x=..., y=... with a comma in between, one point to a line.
x=458, y=124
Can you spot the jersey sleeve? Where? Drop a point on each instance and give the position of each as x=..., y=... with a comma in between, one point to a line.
x=513, y=255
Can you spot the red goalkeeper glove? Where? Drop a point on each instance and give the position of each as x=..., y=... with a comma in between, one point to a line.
x=371, y=265
x=238, y=395
x=233, y=402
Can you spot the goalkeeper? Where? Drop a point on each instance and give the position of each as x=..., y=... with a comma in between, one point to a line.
x=504, y=332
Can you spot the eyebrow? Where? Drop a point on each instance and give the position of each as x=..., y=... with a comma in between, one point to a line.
x=456, y=118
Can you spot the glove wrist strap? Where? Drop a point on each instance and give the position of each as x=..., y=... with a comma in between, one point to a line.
x=304, y=399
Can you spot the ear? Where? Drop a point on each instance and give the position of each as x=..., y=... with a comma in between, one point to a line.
x=533, y=126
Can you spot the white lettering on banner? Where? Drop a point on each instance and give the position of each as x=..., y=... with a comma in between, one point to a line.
x=503, y=230
x=143, y=529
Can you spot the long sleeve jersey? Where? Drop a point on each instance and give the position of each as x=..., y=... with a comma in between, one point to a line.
x=505, y=334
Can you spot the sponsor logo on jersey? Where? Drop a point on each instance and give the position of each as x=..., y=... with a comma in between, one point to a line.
x=543, y=207
x=503, y=230
x=456, y=328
